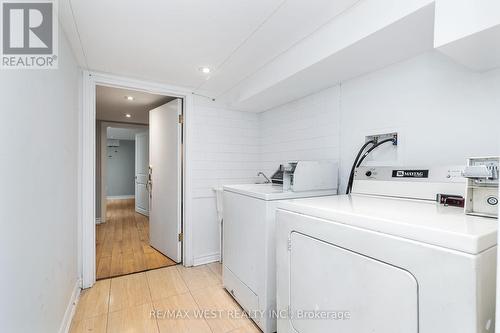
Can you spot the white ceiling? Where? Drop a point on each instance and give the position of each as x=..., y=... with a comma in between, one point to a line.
x=111, y=104
x=167, y=41
x=294, y=21
x=123, y=133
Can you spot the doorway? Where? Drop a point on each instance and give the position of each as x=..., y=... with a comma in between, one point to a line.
x=138, y=210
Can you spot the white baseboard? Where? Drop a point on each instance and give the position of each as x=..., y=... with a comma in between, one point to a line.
x=70, y=309
x=99, y=220
x=206, y=259
x=142, y=212
x=120, y=197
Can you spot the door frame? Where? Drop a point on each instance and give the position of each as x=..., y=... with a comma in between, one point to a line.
x=86, y=169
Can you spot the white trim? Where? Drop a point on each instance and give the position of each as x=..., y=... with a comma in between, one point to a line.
x=87, y=164
x=142, y=211
x=103, y=167
x=206, y=259
x=70, y=309
x=99, y=220
x=187, y=251
x=120, y=197
x=87, y=181
x=116, y=124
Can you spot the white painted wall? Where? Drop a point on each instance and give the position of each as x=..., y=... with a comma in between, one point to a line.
x=468, y=31
x=443, y=112
x=456, y=19
x=38, y=199
x=225, y=150
x=120, y=163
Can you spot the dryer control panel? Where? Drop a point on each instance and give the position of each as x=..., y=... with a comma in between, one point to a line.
x=425, y=183
x=410, y=174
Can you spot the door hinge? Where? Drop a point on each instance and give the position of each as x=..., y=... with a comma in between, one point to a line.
x=181, y=119
x=181, y=237
x=289, y=245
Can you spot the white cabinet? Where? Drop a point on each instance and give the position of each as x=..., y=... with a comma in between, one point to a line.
x=469, y=32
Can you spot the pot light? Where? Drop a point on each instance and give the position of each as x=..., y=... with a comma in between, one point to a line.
x=205, y=70
x=129, y=98
x=128, y=115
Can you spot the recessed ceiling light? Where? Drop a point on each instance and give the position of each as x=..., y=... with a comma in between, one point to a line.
x=129, y=98
x=128, y=115
x=205, y=70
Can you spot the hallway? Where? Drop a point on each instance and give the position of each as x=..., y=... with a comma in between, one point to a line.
x=122, y=243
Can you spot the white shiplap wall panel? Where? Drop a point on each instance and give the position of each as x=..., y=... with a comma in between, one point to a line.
x=225, y=150
x=307, y=129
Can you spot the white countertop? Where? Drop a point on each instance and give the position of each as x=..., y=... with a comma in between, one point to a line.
x=274, y=192
x=417, y=220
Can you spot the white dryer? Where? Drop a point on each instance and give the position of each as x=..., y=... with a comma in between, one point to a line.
x=249, y=266
x=387, y=259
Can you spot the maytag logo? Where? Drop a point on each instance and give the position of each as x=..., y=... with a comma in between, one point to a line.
x=29, y=34
x=410, y=173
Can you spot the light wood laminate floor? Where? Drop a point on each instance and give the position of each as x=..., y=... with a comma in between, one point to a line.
x=122, y=242
x=136, y=302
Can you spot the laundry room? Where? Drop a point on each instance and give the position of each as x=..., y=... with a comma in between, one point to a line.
x=274, y=166
x=431, y=118
x=426, y=112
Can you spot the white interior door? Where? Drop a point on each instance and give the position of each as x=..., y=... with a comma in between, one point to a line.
x=141, y=173
x=165, y=186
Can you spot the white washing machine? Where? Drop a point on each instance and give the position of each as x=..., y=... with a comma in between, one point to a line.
x=249, y=266
x=387, y=259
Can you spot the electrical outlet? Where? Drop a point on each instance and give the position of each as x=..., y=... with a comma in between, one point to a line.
x=381, y=137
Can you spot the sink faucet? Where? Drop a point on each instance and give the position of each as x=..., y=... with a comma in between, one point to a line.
x=264, y=175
